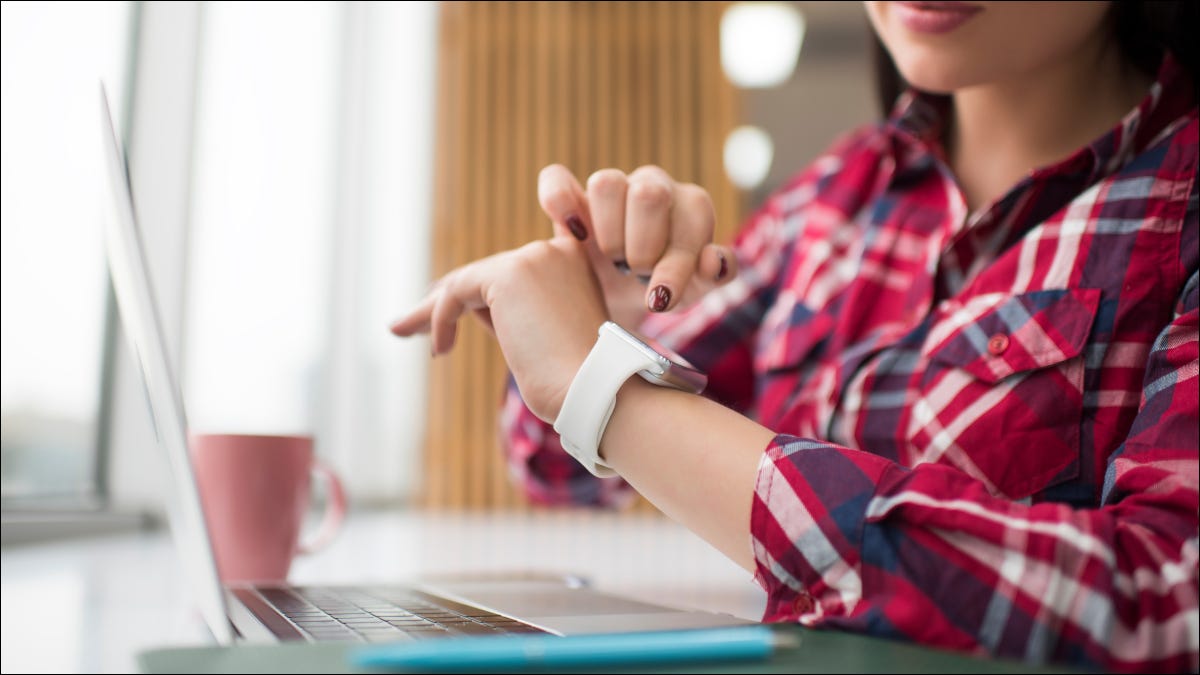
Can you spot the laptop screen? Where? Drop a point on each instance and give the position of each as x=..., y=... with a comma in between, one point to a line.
x=139, y=315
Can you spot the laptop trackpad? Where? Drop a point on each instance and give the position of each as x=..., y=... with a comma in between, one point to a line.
x=522, y=599
x=568, y=609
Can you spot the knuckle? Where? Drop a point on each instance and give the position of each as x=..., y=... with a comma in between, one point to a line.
x=649, y=193
x=532, y=252
x=554, y=188
x=551, y=171
x=693, y=196
x=606, y=181
x=515, y=268
x=695, y=202
x=447, y=283
x=539, y=258
x=553, y=192
x=651, y=171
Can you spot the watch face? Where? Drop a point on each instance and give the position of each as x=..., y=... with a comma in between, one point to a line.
x=676, y=371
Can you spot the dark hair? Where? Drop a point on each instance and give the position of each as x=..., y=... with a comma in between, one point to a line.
x=1144, y=29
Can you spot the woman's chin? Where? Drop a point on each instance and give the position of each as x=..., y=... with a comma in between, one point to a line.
x=937, y=76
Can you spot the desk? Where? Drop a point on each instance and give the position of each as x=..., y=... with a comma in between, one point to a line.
x=89, y=605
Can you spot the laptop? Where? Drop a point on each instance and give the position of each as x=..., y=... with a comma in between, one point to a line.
x=285, y=613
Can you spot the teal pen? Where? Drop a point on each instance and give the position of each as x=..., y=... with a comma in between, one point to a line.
x=509, y=652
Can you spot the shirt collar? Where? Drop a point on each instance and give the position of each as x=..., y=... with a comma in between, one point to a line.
x=919, y=118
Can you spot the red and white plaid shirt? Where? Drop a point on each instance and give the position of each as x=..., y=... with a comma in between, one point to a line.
x=987, y=421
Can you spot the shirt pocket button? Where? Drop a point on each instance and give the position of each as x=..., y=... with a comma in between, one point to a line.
x=997, y=344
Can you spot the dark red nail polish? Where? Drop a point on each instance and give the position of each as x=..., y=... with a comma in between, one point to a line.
x=724, y=267
x=660, y=297
x=575, y=225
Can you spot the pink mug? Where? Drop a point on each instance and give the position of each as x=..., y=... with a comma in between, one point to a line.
x=255, y=491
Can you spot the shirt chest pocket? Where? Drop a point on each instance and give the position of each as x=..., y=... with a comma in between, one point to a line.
x=1001, y=396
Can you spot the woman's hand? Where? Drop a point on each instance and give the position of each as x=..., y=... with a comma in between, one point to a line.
x=541, y=301
x=649, y=237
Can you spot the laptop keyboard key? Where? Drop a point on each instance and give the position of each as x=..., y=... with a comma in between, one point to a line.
x=350, y=614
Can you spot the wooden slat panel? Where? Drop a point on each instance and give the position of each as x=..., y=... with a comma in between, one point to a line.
x=523, y=206
x=523, y=85
x=722, y=118
x=682, y=91
x=646, y=123
x=623, y=138
x=605, y=49
x=491, y=221
x=666, y=70
x=466, y=359
x=448, y=160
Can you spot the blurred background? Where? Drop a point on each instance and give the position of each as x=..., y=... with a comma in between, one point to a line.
x=302, y=171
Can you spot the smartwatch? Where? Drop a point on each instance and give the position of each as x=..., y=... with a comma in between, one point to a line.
x=590, y=399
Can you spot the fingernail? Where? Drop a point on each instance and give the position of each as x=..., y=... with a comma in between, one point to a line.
x=622, y=266
x=724, y=267
x=575, y=225
x=660, y=297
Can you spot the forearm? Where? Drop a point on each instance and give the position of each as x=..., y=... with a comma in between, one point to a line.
x=692, y=458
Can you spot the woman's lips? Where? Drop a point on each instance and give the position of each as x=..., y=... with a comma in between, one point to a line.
x=934, y=17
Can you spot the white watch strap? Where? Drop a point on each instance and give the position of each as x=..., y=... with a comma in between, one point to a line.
x=592, y=396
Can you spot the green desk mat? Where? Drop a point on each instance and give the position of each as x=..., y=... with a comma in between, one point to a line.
x=816, y=652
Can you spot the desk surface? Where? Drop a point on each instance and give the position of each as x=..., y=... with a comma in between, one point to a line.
x=94, y=605
x=90, y=605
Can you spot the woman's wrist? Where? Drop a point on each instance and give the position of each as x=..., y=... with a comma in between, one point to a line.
x=635, y=393
x=693, y=458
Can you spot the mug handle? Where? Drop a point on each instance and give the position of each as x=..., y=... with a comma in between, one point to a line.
x=335, y=509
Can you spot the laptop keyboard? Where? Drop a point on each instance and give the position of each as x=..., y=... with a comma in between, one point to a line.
x=383, y=615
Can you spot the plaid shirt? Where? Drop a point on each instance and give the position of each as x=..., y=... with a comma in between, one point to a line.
x=987, y=421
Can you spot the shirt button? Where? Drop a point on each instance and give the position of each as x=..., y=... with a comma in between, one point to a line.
x=998, y=344
x=803, y=603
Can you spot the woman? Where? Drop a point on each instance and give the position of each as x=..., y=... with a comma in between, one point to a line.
x=952, y=365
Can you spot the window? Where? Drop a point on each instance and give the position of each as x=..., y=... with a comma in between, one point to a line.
x=280, y=156
x=54, y=287
x=309, y=230
x=261, y=231
x=283, y=182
